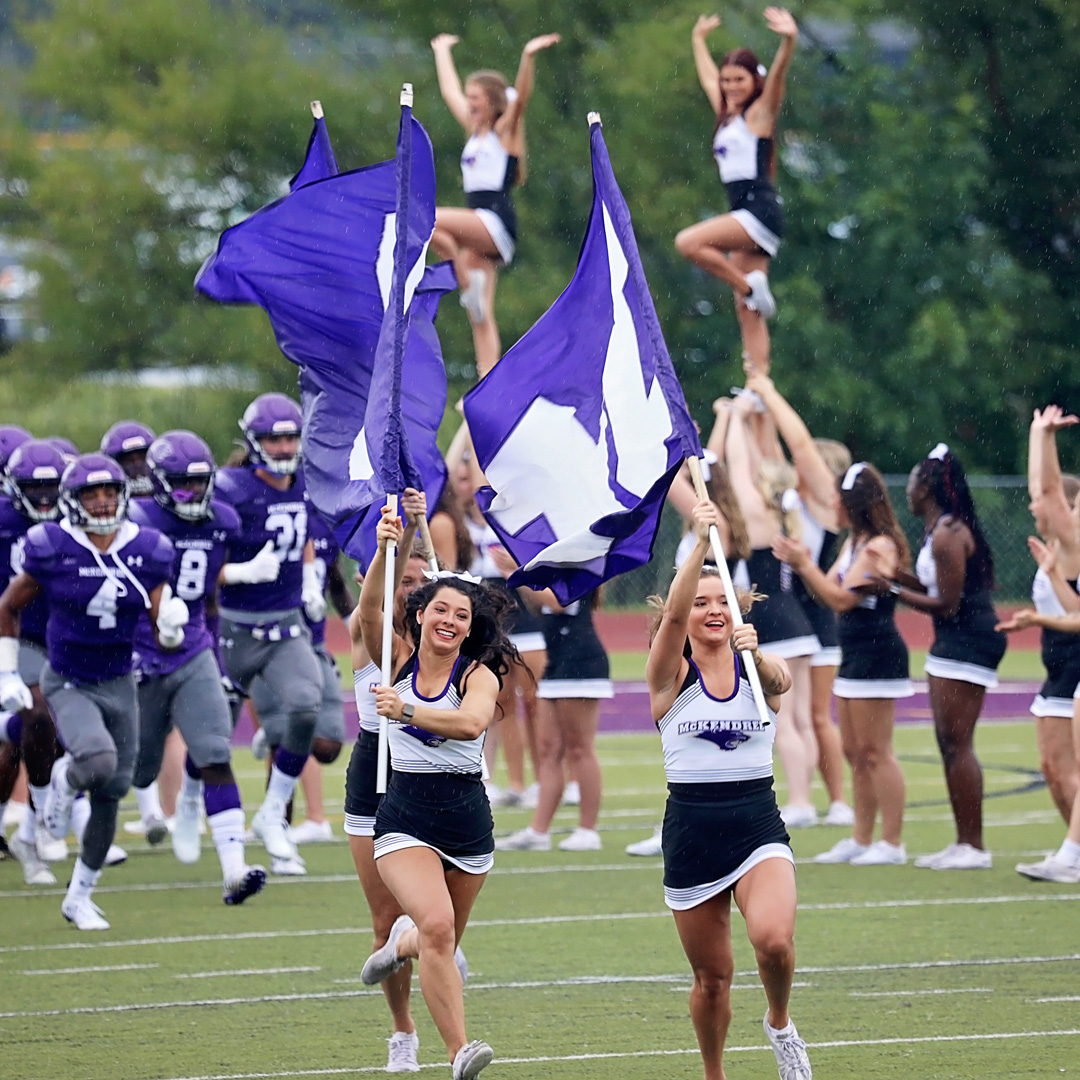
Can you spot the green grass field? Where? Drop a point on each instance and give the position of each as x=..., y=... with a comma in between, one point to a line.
x=575, y=967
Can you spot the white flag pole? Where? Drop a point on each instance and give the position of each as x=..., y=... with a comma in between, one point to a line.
x=316, y=110
x=406, y=94
x=382, y=764
x=729, y=592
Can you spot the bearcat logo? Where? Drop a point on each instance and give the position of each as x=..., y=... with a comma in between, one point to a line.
x=726, y=739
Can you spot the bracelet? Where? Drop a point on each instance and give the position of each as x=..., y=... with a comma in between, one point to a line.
x=895, y=588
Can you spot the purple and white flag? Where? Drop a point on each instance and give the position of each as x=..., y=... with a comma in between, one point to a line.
x=323, y=262
x=582, y=425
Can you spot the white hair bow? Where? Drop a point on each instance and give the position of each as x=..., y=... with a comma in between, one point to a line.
x=939, y=451
x=852, y=475
x=439, y=575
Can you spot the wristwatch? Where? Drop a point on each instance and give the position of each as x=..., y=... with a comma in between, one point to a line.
x=407, y=711
x=895, y=588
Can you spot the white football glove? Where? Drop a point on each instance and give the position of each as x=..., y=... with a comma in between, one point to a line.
x=171, y=619
x=262, y=568
x=14, y=693
x=311, y=595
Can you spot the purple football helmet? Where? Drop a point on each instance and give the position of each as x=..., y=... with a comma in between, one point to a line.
x=88, y=471
x=127, y=441
x=182, y=473
x=33, y=477
x=11, y=436
x=268, y=415
x=65, y=446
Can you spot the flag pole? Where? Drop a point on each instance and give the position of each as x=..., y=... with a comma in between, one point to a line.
x=382, y=763
x=694, y=464
x=316, y=110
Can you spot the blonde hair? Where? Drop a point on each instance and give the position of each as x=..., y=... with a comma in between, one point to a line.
x=774, y=478
x=837, y=456
x=721, y=492
x=495, y=87
x=1071, y=486
x=658, y=604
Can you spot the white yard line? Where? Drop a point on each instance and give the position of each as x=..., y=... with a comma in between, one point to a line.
x=89, y=970
x=243, y=971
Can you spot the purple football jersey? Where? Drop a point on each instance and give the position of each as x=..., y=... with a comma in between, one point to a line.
x=95, y=598
x=326, y=552
x=201, y=548
x=13, y=528
x=265, y=514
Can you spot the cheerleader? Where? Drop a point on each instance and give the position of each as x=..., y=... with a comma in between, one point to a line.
x=955, y=573
x=483, y=236
x=722, y=836
x=736, y=247
x=874, y=660
x=433, y=827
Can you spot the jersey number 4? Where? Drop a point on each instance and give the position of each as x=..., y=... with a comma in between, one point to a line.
x=102, y=605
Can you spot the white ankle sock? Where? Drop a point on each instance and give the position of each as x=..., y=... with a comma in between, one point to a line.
x=281, y=785
x=1069, y=852
x=83, y=880
x=149, y=803
x=80, y=816
x=227, y=830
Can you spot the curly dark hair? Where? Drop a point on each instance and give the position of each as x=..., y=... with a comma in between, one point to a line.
x=487, y=642
x=946, y=481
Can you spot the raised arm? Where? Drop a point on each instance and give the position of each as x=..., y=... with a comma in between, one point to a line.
x=682, y=496
x=707, y=72
x=1044, y=474
x=761, y=116
x=449, y=82
x=372, y=591
x=809, y=464
x=523, y=84
x=742, y=469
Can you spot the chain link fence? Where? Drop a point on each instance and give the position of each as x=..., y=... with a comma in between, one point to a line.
x=1001, y=502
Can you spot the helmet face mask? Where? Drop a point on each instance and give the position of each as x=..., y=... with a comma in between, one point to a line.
x=86, y=472
x=33, y=478
x=127, y=441
x=181, y=471
x=267, y=416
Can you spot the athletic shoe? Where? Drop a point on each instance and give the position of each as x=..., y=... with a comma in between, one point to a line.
x=843, y=851
x=293, y=866
x=505, y=797
x=571, y=794
x=761, y=298
x=524, y=840
x=35, y=872
x=791, y=1057
x=59, y=799
x=5, y=851
x=84, y=913
x=582, y=840
x=798, y=817
x=839, y=814
x=270, y=827
x=259, y=746
x=136, y=827
x=49, y=848
x=248, y=883
x=311, y=832
x=1050, y=869
x=472, y=296
x=881, y=853
x=652, y=846
x=13, y=816
x=956, y=857
x=462, y=965
x=471, y=1058
x=156, y=830
x=115, y=855
x=384, y=961
x=186, y=844
x=403, y=1046
x=530, y=796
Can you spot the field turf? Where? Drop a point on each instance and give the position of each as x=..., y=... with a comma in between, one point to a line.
x=575, y=967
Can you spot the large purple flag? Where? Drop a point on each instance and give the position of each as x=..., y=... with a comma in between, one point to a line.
x=582, y=425
x=321, y=262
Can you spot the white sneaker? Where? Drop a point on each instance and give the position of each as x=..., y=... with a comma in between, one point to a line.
x=136, y=827
x=384, y=961
x=49, y=848
x=798, y=817
x=652, y=846
x=269, y=826
x=881, y=853
x=472, y=296
x=35, y=872
x=471, y=1058
x=311, y=832
x=761, y=298
x=294, y=866
x=843, y=851
x=1050, y=869
x=13, y=816
x=792, y=1060
x=403, y=1046
x=956, y=857
x=155, y=830
x=524, y=840
x=115, y=855
x=249, y=882
x=462, y=965
x=530, y=796
x=571, y=794
x=84, y=913
x=506, y=797
x=839, y=814
x=59, y=799
x=186, y=844
x=582, y=840
x=259, y=746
